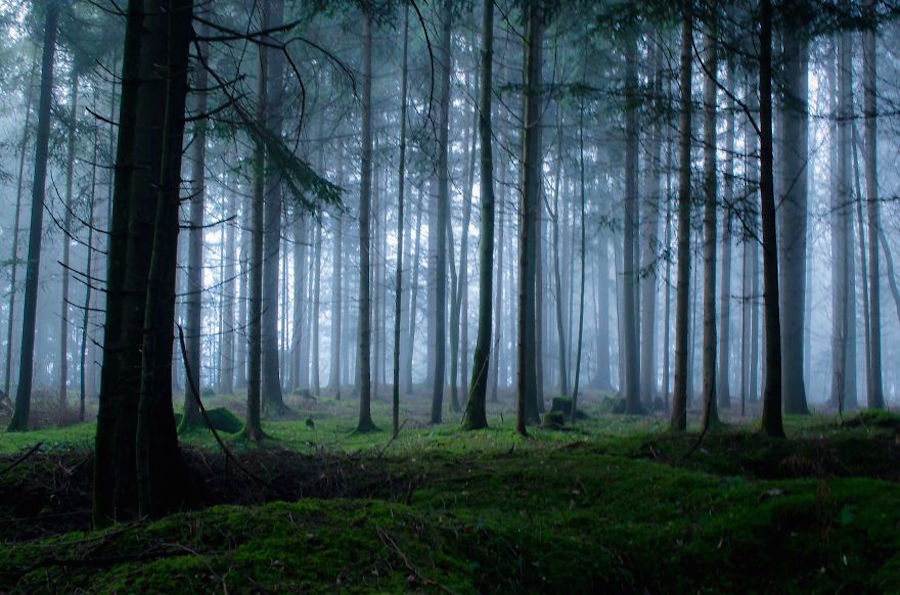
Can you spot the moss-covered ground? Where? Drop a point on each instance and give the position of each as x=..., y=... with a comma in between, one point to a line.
x=610, y=505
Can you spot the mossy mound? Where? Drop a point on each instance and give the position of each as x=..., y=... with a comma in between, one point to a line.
x=221, y=418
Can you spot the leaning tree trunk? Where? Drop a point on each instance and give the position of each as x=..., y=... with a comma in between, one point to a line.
x=19, y=421
x=679, y=397
x=771, y=415
x=710, y=191
x=475, y=417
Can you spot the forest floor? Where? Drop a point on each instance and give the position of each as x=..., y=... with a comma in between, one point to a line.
x=610, y=504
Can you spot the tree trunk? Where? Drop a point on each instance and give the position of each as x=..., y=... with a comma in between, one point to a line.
x=710, y=192
x=629, y=350
x=876, y=391
x=557, y=278
x=253, y=426
x=401, y=174
x=67, y=234
x=88, y=286
x=526, y=355
x=226, y=373
x=14, y=259
x=582, y=262
x=365, y=198
x=443, y=216
x=475, y=416
x=193, y=338
x=272, y=398
x=771, y=415
x=723, y=384
x=679, y=398
x=413, y=300
x=650, y=240
x=793, y=211
x=337, y=272
x=19, y=421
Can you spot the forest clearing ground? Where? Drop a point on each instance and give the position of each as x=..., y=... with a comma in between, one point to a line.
x=608, y=504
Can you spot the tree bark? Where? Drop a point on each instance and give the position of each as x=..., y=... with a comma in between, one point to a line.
x=192, y=416
x=526, y=356
x=876, y=391
x=443, y=216
x=272, y=397
x=14, y=259
x=67, y=234
x=19, y=421
x=679, y=398
x=365, y=198
x=475, y=416
x=771, y=415
x=710, y=192
x=793, y=211
x=630, y=384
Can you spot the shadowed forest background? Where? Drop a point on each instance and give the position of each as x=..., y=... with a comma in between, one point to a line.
x=385, y=261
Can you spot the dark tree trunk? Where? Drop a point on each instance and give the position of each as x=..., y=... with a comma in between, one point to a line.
x=193, y=337
x=876, y=391
x=67, y=234
x=792, y=240
x=226, y=373
x=364, y=360
x=475, y=416
x=526, y=355
x=443, y=216
x=723, y=384
x=398, y=303
x=253, y=425
x=710, y=192
x=337, y=273
x=771, y=416
x=272, y=398
x=629, y=350
x=679, y=398
x=14, y=259
x=19, y=421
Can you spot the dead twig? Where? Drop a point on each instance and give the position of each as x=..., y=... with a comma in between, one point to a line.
x=21, y=459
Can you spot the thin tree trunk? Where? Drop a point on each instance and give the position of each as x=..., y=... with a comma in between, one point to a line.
x=679, y=398
x=557, y=279
x=365, y=198
x=475, y=416
x=19, y=421
x=629, y=350
x=67, y=234
x=710, y=191
x=443, y=216
x=582, y=262
x=86, y=315
x=226, y=373
x=875, y=398
x=723, y=387
x=413, y=299
x=771, y=415
x=337, y=272
x=192, y=415
x=14, y=259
